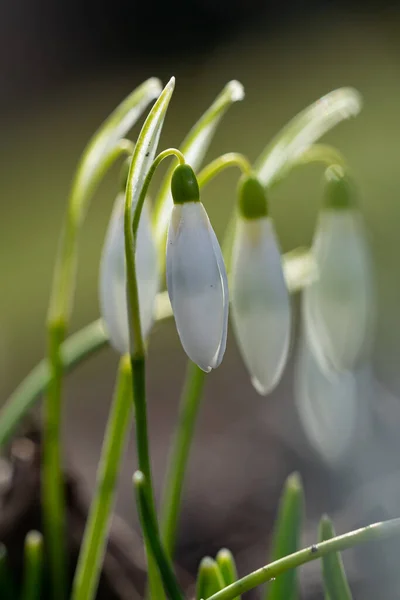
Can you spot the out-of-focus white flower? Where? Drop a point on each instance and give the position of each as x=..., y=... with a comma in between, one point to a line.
x=196, y=276
x=327, y=404
x=113, y=294
x=260, y=299
x=338, y=305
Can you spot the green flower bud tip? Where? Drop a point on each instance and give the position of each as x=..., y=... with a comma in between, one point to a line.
x=252, y=198
x=339, y=189
x=184, y=186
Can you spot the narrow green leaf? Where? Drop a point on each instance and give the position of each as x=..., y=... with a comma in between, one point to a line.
x=194, y=148
x=94, y=541
x=305, y=129
x=227, y=567
x=146, y=145
x=109, y=133
x=299, y=268
x=209, y=579
x=335, y=581
x=33, y=567
x=286, y=537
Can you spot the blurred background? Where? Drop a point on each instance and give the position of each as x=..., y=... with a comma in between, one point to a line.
x=63, y=68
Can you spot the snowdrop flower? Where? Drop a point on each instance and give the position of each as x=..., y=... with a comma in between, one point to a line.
x=196, y=275
x=260, y=298
x=337, y=306
x=328, y=405
x=113, y=293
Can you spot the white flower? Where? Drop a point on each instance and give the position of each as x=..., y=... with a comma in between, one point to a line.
x=196, y=277
x=328, y=405
x=260, y=302
x=113, y=293
x=337, y=306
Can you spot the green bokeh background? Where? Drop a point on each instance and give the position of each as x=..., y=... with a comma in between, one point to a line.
x=282, y=74
x=40, y=146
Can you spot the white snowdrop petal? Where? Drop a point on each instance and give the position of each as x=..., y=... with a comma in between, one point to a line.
x=260, y=302
x=224, y=281
x=113, y=298
x=338, y=305
x=196, y=284
x=327, y=405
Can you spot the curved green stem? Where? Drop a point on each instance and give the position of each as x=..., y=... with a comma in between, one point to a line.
x=138, y=357
x=375, y=532
x=225, y=161
x=95, y=537
x=316, y=154
x=152, y=538
x=179, y=455
x=131, y=224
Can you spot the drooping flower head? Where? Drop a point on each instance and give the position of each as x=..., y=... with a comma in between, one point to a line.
x=196, y=276
x=260, y=298
x=338, y=305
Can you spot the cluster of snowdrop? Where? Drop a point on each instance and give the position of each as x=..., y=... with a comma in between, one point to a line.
x=173, y=236
x=336, y=311
x=337, y=315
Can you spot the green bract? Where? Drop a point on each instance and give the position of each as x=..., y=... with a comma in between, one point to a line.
x=184, y=186
x=252, y=199
x=339, y=189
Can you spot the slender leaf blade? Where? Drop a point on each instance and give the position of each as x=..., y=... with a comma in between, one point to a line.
x=114, y=128
x=336, y=586
x=305, y=129
x=194, y=148
x=209, y=579
x=286, y=537
x=227, y=567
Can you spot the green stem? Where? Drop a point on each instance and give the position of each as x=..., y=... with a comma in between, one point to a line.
x=231, y=159
x=191, y=397
x=74, y=350
x=375, y=532
x=33, y=566
x=152, y=538
x=315, y=154
x=179, y=455
x=95, y=537
x=138, y=361
x=57, y=325
x=53, y=498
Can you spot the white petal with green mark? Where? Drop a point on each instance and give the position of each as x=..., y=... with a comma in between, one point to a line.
x=260, y=302
x=197, y=285
x=113, y=299
x=338, y=304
